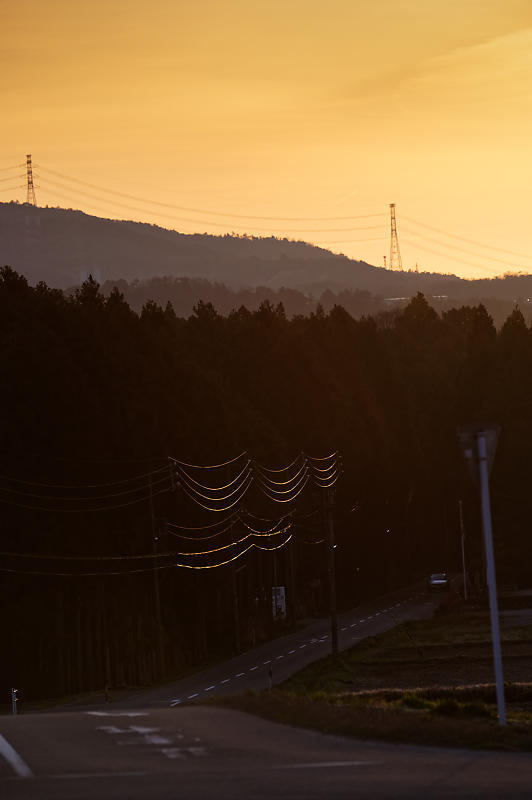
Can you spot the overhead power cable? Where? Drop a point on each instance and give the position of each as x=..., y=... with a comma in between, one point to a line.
x=266, y=478
x=324, y=458
x=232, y=516
x=84, y=485
x=212, y=223
x=334, y=465
x=209, y=466
x=203, y=210
x=13, y=166
x=465, y=239
x=282, y=469
x=182, y=472
x=285, y=500
x=218, y=510
x=89, y=498
x=203, y=538
x=49, y=557
x=451, y=258
x=148, y=569
x=32, y=507
x=456, y=247
x=221, y=497
x=270, y=488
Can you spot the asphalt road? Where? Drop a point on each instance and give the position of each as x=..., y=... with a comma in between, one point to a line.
x=202, y=752
x=278, y=659
x=160, y=744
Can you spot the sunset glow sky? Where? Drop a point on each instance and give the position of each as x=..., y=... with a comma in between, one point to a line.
x=292, y=108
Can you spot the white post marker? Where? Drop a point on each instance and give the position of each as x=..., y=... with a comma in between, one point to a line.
x=490, y=574
x=14, y=700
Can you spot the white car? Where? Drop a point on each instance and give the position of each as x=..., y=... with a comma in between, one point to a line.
x=438, y=580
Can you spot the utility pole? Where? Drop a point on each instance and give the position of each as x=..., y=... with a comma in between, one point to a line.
x=156, y=587
x=479, y=443
x=293, y=583
x=331, y=568
x=490, y=573
x=236, y=611
x=462, y=539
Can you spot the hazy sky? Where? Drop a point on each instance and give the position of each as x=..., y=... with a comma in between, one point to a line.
x=292, y=108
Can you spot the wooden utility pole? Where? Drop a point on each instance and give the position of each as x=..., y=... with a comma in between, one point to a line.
x=156, y=587
x=331, y=568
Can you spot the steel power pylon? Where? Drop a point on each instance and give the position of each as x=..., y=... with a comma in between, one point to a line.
x=395, y=253
x=30, y=196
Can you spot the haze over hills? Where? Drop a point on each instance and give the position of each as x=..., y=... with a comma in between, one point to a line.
x=62, y=247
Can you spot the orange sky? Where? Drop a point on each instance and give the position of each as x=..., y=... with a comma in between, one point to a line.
x=282, y=109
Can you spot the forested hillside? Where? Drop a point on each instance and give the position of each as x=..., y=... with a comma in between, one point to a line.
x=63, y=247
x=96, y=397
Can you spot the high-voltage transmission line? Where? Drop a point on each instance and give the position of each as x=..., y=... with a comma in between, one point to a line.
x=395, y=253
x=30, y=189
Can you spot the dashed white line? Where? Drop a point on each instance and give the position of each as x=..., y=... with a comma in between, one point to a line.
x=290, y=652
x=208, y=689
x=344, y=628
x=226, y=680
x=278, y=657
x=17, y=764
x=320, y=764
x=252, y=668
x=192, y=696
x=301, y=646
x=174, y=703
x=267, y=662
x=240, y=675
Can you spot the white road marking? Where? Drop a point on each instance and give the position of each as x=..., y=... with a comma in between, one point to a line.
x=17, y=764
x=154, y=738
x=172, y=752
x=278, y=657
x=192, y=696
x=142, y=729
x=240, y=675
x=344, y=628
x=301, y=646
x=208, y=689
x=174, y=703
x=290, y=652
x=320, y=764
x=252, y=668
x=196, y=751
x=267, y=662
x=119, y=714
x=112, y=729
x=70, y=775
x=226, y=680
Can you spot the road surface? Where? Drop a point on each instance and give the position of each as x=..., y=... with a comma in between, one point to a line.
x=161, y=744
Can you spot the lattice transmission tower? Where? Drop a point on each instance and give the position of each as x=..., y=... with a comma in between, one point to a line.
x=395, y=253
x=30, y=195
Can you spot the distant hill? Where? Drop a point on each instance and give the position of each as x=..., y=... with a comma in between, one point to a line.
x=62, y=247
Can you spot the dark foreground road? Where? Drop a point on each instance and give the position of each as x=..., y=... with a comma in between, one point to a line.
x=198, y=752
x=158, y=744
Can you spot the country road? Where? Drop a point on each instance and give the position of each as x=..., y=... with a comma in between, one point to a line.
x=278, y=659
x=160, y=744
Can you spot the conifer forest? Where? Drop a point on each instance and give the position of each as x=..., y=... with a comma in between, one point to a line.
x=159, y=475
